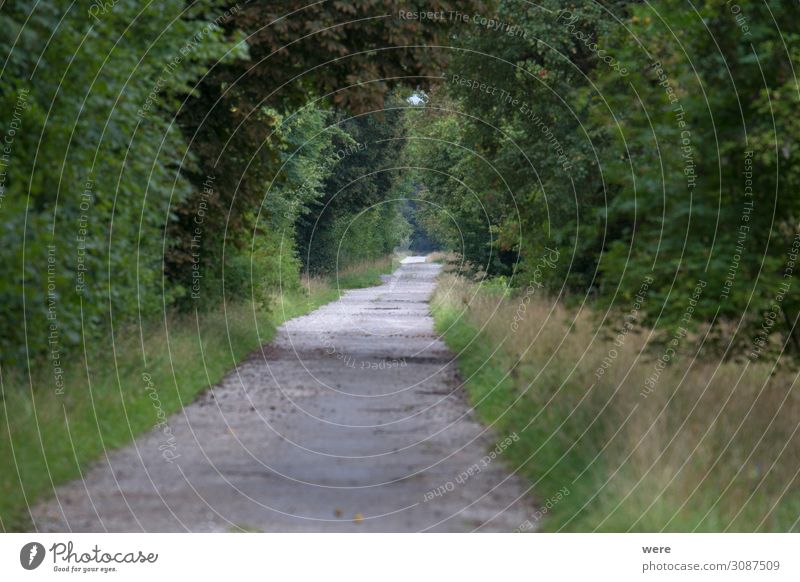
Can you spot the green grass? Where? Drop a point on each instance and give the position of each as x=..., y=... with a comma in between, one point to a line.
x=629, y=464
x=493, y=391
x=47, y=439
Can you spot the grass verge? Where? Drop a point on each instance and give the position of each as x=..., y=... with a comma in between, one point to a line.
x=128, y=383
x=700, y=445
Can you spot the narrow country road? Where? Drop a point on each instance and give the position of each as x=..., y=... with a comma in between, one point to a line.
x=352, y=419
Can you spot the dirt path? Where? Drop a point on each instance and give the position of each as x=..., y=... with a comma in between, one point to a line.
x=351, y=420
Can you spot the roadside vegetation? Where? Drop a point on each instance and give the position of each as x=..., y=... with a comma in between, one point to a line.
x=700, y=446
x=679, y=167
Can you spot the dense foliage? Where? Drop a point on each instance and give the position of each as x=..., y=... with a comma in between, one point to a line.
x=357, y=218
x=191, y=153
x=91, y=171
x=170, y=154
x=633, y=141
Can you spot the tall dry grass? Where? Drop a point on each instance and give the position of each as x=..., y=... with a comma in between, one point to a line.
x=704, y=445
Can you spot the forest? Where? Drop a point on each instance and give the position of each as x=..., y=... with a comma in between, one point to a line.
x=610, y=184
